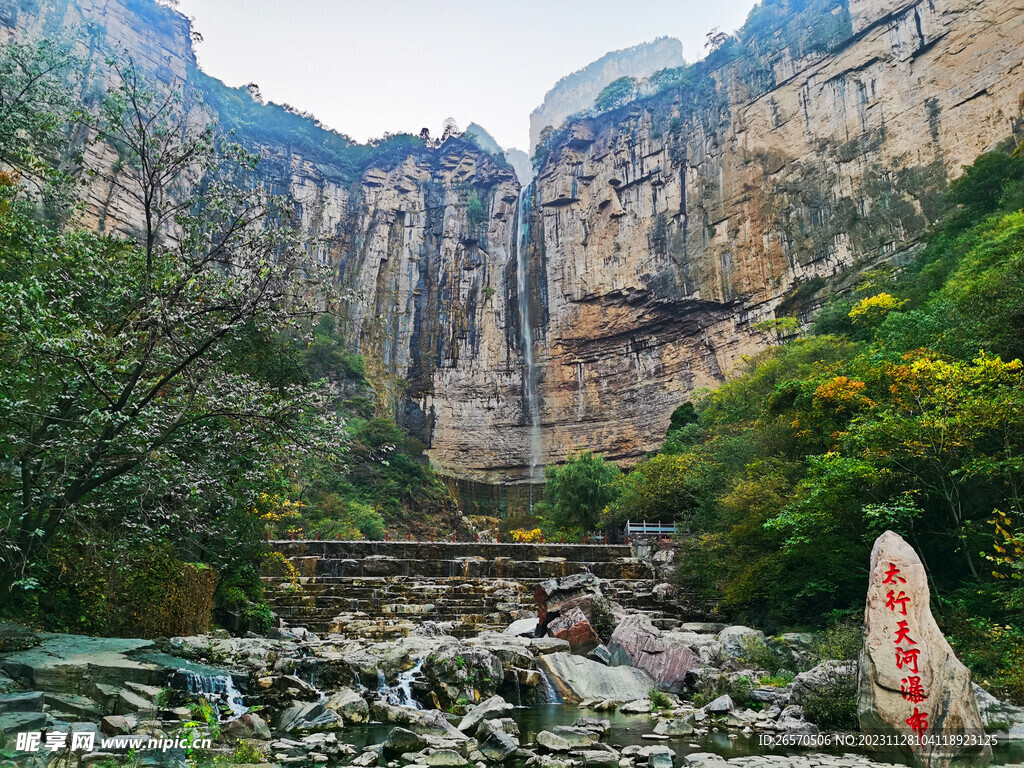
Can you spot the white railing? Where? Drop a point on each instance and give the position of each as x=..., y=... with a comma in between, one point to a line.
x=644, y=528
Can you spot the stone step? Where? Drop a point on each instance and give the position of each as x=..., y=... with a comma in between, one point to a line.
x=445, y=551
x=339, y=604
x=468, y=568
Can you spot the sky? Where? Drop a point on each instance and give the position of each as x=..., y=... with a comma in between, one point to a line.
x=366, y=67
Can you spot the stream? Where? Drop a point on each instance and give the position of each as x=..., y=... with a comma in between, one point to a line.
x=629, y=729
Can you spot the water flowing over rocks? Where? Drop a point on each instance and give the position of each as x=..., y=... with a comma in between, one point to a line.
x=578, y=678
x=301, y=693
x=910, y=681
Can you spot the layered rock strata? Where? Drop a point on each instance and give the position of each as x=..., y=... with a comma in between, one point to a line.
x=660, y=234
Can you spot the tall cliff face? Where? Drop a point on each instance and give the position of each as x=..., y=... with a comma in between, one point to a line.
x=673, y=226
x=660, y=233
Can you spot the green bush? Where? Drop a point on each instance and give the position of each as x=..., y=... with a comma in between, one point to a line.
x=602, y=620
x=756, y=653
x=994, y=652
x=834, y=707
x=842, y=640
x=659, y=699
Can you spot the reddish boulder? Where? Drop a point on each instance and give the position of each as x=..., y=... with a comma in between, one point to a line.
x=559, y=595
x=574, y=627
x=638, y=643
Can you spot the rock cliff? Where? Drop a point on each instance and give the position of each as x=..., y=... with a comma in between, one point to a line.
x=670, y=227
x=661, y=233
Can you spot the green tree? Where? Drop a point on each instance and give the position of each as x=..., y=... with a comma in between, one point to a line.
x=576, y=493
x=122, y=393
x=656, y=488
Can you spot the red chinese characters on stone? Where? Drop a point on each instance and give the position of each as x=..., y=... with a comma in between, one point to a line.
x=892, y=576
x=907, y=657
x=903, y=633
x=918, y=722
x=892, y=600
x=912, y=690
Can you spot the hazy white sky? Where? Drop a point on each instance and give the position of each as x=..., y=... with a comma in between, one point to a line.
x=365, y=67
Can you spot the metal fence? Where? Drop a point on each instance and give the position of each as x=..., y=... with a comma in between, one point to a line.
x=645, y=528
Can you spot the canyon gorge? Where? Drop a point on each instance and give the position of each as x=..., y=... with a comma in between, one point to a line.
x=659, y=238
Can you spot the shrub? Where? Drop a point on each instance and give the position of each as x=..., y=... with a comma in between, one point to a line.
x=756, y=653
x=994, y=652
x=842, y=640
x=659, y=699
x=834, y=706
x=142, y=591
x=780, y=680
x=524, y=536
x=602, y=620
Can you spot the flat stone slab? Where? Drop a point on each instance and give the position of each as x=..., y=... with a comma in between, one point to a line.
x=60, y=662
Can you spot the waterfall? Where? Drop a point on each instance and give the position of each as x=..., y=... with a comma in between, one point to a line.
x=399, y=694
x=551, y=694
x=531, y=395
x=216, y=688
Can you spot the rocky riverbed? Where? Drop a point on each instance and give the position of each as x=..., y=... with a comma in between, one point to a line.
x=545, y=692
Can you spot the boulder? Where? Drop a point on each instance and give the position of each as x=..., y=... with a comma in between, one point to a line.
x=732, y=638
x=503, y=724
x=247, y=726
x=401, y=740
x=522, y=628
x=350, y=705
x=545, y=645
x=598, y=757
x=308, y=717
x=493, y=707
x=577, y=678
x=592, y=724
x=367, y=759
x=498, y=746
x=31, y=701
x=796, y=649
x=702, y=759
x=443, y=758
x=63, y=663
x=723, y=705
x=705, y=645
x=910, y=681
x=555, y=595
x=638, y=643
x=514, y=652
x=14, y=637
x=827, y=674
x=792, y=722
x=578, y=738
x=553, y=742
x=675, y=727
x=119, y=725
x=659, y=756
x=435, y=725
x=601, y=655
x=638, y=707
x=572, y=626
x=461, y=673
x=703, y=627
x=995, y=712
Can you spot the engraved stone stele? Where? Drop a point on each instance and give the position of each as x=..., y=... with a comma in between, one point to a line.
x=912, y=690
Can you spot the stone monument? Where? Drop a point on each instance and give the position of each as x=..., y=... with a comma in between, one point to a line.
x=914, y=695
